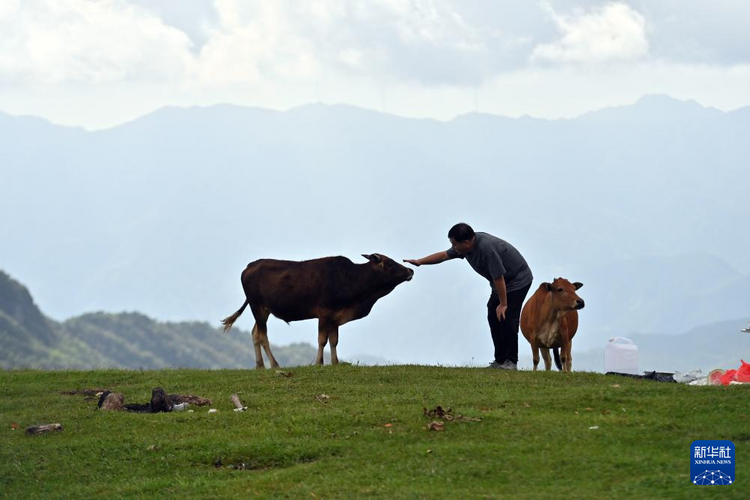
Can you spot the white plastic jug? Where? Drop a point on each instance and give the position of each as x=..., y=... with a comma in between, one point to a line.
x=621, y=355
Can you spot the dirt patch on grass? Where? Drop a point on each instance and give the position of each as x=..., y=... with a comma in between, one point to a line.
x=259, y=463
x=90, y=393
x=448, y=415
x=269, y=456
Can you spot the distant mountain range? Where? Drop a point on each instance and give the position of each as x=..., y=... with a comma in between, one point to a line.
x=645, y=204
x=135, y=341
x=710, y=346
x=126, y=340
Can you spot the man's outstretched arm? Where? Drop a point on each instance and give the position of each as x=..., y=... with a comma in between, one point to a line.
x=435, y=258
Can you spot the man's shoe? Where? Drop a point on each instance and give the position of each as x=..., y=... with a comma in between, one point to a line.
x=495, y=364
x=509, y=365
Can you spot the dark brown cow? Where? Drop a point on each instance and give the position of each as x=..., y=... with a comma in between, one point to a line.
x=332, y=289
x=549, y=320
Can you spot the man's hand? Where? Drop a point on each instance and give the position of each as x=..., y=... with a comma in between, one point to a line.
x=500, y=311
x=413, y=262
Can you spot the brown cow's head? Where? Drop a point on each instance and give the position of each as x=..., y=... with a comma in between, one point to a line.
x=564, y=295
x=389, y=271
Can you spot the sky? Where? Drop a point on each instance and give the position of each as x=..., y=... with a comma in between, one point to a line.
x=100, y=63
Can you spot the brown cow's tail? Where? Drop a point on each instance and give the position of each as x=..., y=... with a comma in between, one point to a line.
x=229, y=321
x=556, y=352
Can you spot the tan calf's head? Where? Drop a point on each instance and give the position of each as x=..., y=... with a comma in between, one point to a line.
x=564, y=295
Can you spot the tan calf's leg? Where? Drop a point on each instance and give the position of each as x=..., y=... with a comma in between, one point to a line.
x=547, y=360
x=568, y=360
x=535, y=354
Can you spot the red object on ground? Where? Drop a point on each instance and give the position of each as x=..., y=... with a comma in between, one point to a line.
x=721, y=377
x=728, y=377
x=743, y=373
x=714, y=378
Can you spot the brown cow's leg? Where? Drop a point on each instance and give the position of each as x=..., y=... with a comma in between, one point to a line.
x=333, y=336
x=547, y=360
x=267, y=347
x=323, y=331
x=260, y=337
x=256, y=345
x=322, y=341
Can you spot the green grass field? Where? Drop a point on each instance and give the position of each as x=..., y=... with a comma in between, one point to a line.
x=369, y=438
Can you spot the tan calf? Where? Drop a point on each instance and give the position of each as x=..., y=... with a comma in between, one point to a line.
x=549, y=320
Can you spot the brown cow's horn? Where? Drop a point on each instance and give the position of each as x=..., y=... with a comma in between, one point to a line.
x=372, y=257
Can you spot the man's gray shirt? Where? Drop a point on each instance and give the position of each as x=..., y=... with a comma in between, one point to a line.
x=493, y=257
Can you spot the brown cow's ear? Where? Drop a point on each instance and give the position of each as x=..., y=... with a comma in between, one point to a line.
x=577, y=284
x=547, y=286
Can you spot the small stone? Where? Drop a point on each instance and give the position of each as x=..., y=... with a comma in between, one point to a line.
x=111, y=401
x=435, y=426
x=40, y=429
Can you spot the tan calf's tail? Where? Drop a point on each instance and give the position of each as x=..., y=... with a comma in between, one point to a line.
x=229, y=321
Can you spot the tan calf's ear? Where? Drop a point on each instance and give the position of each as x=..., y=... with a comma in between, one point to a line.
x=577, y=284
x=547, y=286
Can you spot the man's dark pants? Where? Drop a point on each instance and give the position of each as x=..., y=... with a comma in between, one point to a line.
x=505, y=333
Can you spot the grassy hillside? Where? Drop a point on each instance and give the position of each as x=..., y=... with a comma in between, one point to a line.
x=123, y=340
x=525, y=435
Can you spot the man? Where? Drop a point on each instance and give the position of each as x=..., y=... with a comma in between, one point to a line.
x=510, y=279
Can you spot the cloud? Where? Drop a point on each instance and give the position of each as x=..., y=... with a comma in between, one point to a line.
x=55, y=41
x=423, y=40
x=414, y=55
x=431, y=42
x=695, y=31
x=613, y=32
x=258, y=40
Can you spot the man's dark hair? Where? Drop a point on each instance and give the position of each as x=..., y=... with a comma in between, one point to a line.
x=461, y=232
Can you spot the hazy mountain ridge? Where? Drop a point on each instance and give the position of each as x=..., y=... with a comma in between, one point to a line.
x=711, y=346
x=135, y=341
x=124, y=340
x=161, y=214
